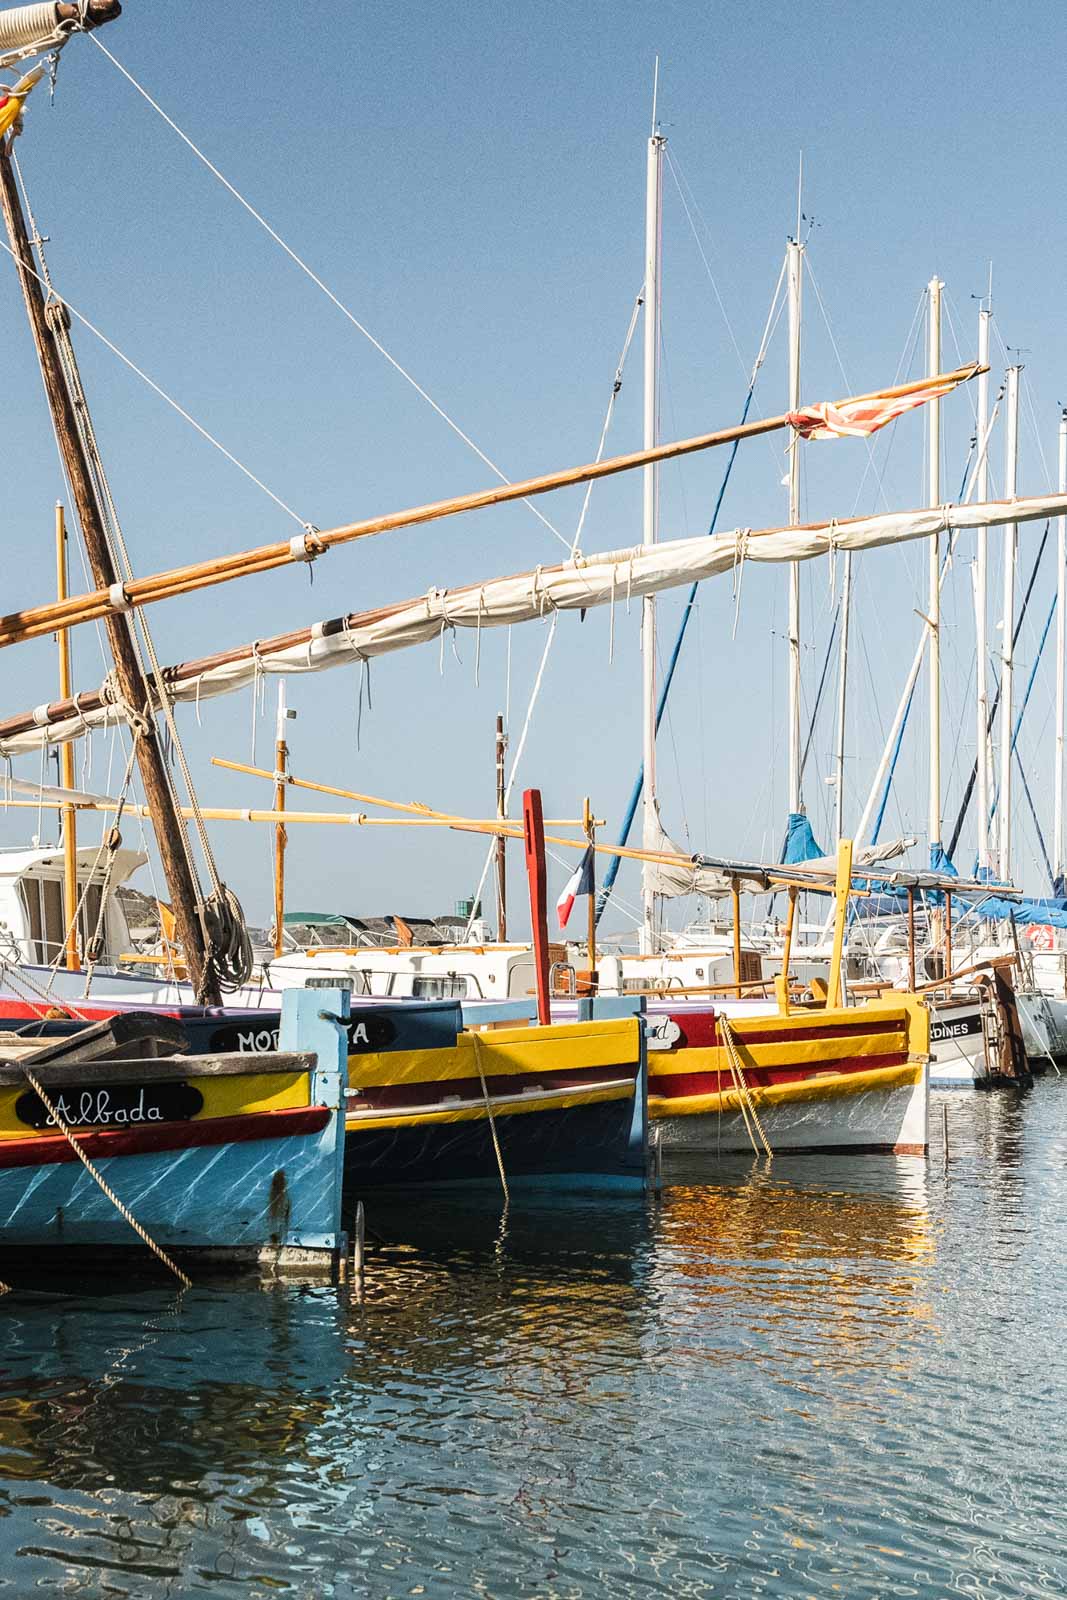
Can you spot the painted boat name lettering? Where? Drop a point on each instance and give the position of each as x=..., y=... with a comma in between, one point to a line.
x=112, y=1106
x=261, y=1043
x=955, y=1030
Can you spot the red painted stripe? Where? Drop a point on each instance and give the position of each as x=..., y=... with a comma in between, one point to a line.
x=674, y=1085
x=51, y=1149
x=28, y=1011
x=699, y=1032
x=400, y=1095
x=831, y=1030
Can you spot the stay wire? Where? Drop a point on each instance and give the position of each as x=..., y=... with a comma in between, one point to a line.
x=535, y=692
x=169, y=400
x=309, y=272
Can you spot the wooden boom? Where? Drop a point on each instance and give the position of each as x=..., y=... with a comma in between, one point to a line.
x=29, y=624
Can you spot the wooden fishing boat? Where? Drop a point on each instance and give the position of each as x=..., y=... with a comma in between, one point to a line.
x=434, y=1089
x=848, y=1078
x=432, y=1100
x=221, y=1160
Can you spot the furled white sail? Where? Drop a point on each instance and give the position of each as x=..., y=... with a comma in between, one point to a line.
x=703, y=875
x=612, y=577
x=29, y=30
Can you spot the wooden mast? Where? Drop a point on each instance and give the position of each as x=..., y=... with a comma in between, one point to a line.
x=501, y=854
x=166, y=819
x=281, y=838
x=66, y=770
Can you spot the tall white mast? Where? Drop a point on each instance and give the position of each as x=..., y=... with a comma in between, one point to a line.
x=981, y=601
x=1007, y=648
x=933, y=366
x=795, y=278
x=842, y=693
x=653, y=215
x=1061, y=660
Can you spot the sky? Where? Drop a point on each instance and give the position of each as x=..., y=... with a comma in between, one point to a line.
x=469, y=182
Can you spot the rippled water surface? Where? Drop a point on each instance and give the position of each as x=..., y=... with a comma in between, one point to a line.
x=827, y=1377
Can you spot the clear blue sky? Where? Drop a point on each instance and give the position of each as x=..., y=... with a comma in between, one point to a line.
x=469, y=179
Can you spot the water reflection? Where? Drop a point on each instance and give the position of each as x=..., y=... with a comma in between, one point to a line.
x=814, y=1377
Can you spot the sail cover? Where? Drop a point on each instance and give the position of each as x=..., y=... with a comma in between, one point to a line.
x=610, y=578
x=799, y=840
x=713, y=877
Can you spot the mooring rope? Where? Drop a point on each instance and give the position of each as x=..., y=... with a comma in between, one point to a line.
x=123, y=1210
x=744, y=1093
x=476, y=1039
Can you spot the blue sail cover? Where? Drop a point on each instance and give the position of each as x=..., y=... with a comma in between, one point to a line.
x=1046, y=913
x=939, y=861
x=799, y=841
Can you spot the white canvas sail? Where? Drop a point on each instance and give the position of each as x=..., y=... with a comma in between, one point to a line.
x=608, y=578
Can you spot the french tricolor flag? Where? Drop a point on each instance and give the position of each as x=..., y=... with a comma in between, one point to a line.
x=580, y=882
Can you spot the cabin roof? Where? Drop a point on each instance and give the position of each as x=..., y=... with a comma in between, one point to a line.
x=16, y=861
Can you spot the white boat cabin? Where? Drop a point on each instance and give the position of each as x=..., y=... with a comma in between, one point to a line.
x=32, y=922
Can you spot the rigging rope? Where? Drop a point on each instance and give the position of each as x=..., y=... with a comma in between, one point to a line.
x=228, y=948
x=309, y=272
x=1015, y=754
x=547, y=651
x=995, y=705
x=156, y=389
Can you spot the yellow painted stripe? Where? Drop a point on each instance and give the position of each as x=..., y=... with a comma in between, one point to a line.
x=787, y=1053
x=904, y=1076
x=475, y=1111
x=263, y=1091
x=504, y=1052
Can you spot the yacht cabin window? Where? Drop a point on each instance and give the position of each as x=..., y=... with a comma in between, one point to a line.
x=441, y=986
x=42, y=899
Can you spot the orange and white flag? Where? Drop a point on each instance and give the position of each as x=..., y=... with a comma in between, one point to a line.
x=856, y=419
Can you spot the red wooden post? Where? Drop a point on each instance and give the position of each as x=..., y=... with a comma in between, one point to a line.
x=533, y=824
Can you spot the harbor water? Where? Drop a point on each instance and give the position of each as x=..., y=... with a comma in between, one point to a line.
x=819, y=1377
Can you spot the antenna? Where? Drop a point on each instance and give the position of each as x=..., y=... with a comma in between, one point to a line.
x=655, y=96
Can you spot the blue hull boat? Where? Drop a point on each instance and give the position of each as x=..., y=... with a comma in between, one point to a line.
x=226, y=1160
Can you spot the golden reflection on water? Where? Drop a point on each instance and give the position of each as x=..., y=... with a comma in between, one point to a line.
x=827, y=1268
